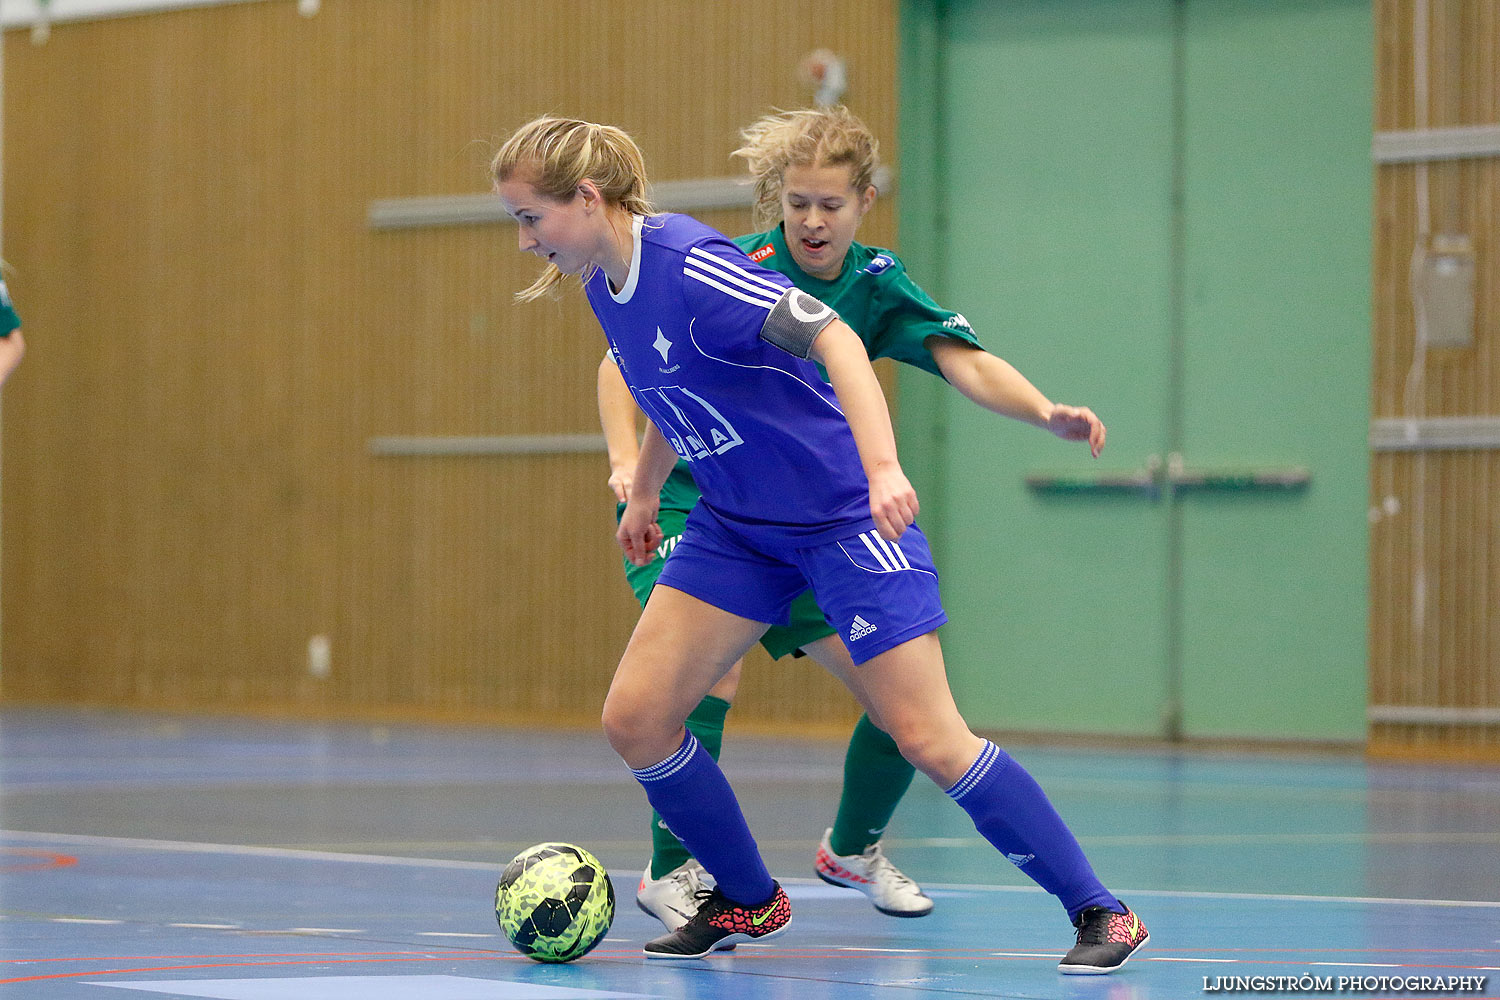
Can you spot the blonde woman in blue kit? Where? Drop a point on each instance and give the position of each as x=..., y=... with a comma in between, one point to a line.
x=813, y=172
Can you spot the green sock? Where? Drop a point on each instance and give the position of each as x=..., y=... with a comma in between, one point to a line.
x=875, y=778
x=707, y=723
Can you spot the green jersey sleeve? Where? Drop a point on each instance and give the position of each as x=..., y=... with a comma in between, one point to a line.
x=904, y=316
x=8, y=319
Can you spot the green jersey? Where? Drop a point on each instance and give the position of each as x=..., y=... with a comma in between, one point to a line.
x=8, y=319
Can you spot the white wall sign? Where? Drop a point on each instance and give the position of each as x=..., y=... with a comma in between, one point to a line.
x=24, y=13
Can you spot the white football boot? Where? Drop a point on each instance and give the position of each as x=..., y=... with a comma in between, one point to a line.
x=673, y=898
x=872, y=873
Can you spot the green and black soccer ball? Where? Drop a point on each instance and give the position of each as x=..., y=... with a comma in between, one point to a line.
x=554, y=902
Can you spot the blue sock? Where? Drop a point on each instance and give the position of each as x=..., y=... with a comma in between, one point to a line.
x=691, y=794
x=1012, y=812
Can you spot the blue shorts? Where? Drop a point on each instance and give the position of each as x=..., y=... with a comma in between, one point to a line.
x=875, y=594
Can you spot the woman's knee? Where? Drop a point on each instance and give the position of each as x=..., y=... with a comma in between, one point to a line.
x=920, y=749
x=942, y=756
x=635, y=732
x=618, y=724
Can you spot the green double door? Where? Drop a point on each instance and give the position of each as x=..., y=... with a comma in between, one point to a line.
x=1160, y=210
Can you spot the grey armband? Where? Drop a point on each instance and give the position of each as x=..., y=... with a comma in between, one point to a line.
x=795, y=322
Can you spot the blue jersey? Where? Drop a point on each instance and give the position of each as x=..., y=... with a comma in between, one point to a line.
x=767, y=440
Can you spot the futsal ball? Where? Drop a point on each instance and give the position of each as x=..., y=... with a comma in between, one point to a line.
x=554, y=902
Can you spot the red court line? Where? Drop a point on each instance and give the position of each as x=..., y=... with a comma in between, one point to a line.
x=428, y=952
x=47, y=860
x=985, y=957
x=770, y=953
x=1340, y=951
x=935, y=952
x=469, y=954
x=240, y=965
x=488, y=957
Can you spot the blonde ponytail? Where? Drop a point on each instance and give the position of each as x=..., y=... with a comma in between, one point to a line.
x=555, y=155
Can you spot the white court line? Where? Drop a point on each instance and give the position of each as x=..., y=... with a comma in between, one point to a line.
x=453, y=934
x=83, y=920
x=1361, y=965
x=290, y=853
x=244, y=850
x=1229, y=839
x=1274, y=897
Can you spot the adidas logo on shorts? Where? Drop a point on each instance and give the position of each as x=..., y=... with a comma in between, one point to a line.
x=860, y=628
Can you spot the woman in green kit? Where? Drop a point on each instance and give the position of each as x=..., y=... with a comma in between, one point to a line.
x=12, y=344
x=814, y=175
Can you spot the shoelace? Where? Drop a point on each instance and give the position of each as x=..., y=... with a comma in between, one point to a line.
x=877, y=859
x=1093, y=925
x=710, y=901
x=689, y=880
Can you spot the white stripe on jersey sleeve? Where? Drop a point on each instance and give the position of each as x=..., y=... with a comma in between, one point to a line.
x=734, y=269
x=724, y=277
x=753, y=300
x=692, y=266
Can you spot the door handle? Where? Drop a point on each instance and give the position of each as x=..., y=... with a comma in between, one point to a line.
x=1182, y=478
x=1156, y=477
x=1145, y=481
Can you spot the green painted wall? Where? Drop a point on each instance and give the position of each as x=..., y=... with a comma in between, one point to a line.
x=1160, y=210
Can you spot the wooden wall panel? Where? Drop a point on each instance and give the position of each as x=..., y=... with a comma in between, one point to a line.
x=1435, y=547
x=215, y=334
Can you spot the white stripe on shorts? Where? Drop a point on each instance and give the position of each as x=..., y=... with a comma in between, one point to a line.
x=876, y=552
x=893, y=549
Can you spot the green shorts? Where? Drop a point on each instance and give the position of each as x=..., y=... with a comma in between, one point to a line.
x=807, y=624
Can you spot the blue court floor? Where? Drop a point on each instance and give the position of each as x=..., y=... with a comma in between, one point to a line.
x=158, y=857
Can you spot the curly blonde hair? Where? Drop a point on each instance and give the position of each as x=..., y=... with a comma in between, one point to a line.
x=558, y=154
x=823, y=137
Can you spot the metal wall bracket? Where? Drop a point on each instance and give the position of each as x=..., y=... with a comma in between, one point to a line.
x=509, y=444
x=696, y=195
x=1434, y=434
x=1428, y=144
